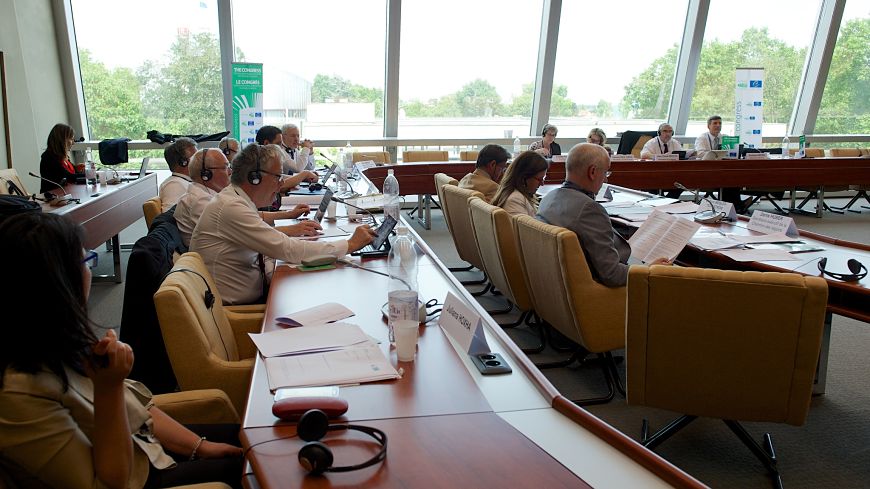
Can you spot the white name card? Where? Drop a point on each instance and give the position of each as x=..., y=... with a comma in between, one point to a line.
x=604, y=194
x=559, y=158
x=756, y=156
x=463, y=325
x=726, y=208
x=666, y=157
x=622, y=158
x=768, y=223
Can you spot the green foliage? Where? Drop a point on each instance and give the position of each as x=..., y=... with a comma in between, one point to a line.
x=335, y=87
x=845, y=106
x=648, y=94
x=113, y=100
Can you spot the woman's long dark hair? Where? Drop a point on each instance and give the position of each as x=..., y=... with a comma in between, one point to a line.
x=525, y=166
x=43, y=255
x=57, y=139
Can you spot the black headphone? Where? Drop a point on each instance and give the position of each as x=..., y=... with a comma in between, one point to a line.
x=659, y=130
x=205, y=173
x=255, y=177
x=208, y=297
x=317, y=458
x=182, y=160
x=314, y=187
x=857, y=268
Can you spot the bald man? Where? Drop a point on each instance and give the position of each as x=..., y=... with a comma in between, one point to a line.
x=573, y=207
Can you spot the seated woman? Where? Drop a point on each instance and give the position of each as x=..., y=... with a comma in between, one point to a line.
x=547, y=147
x=68, y=416
x=516, y=192
x=597, y=136
x=55, y=163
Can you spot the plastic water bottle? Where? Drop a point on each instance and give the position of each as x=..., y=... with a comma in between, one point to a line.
x=348, y=156
x=517, y=145
x=402, y=297
x=391, y=196
x=785, y=146
x=90, y=169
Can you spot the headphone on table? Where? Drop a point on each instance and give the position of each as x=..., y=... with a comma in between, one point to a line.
x=205, y=173
x=255, y=177
x=857, y=268
x=314, y=187
x=317, y=458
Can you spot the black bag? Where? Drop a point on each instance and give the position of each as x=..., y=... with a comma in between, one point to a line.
x=11, y=205
x=113, y=151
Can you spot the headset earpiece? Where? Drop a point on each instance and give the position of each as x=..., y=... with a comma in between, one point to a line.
x=255, y=177
x=208, y=298
x=204, y=172
x=313, y=425
x=857, y=269
x=316, y=457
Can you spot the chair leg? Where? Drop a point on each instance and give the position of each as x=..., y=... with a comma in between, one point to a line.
x=505, y=310
x=604, y=360
x=765, y=454
x=534, y=325
x=610, y=364
x=481, y=292
x=461, y=269
x=522, y=319
x=475, y=281
x=663, y=434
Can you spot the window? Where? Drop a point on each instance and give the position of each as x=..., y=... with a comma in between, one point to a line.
x=323, y=63
x=615, y=65
x=752, y=34
x=845, y=106
x=146, y=68
x=467, y=68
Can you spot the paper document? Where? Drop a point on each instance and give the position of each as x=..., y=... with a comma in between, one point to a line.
x=324, y=313
x=330, y=232
x=365, y=363
x=759, y=255
x=714, y=242
x=661, y=236
x=764, y=238
x=656, y=201
x=295, y=199
x=296, y=341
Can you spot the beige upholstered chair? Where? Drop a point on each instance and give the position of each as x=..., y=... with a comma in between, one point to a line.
x=415, y=156
x=638, y=146
x=754, y=363
x=151, y=208
x=10, y=175
x=208, y=347
x=379, y=157
x=470, y=155
x=442, y=179
x=497, y=245
x=455, y=209
x=566, y=296
x=810, y=152
x=846, y=152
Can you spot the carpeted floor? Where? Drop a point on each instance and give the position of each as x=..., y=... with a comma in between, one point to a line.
x=831, y=450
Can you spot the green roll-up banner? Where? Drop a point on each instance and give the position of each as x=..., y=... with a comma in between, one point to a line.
x=247, y=101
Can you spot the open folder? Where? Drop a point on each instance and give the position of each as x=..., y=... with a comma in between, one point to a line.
x=364, y=363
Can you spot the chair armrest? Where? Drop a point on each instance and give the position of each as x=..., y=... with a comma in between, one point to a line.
x=205, y=406
x=243, y=324
x=247, y=309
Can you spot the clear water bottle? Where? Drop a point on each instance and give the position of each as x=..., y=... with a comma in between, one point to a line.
x=517, y=146
x=786, y=143
x=348, y=156
x=402, y=298
x=90, y=169
x=391, y=196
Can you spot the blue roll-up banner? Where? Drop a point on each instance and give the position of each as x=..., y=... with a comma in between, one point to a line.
x=749, y=105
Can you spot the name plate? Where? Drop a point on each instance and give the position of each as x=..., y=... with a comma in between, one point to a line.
x=463, y=325
x=666, y=157
x=726, y=208
x=605, y=194
x=756, y=156
x=769, y=223
x=559, y=158
x=622, y=158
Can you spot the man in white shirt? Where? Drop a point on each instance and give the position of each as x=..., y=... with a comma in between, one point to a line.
x=662, y=144
x=235, y=242
x=300, y=158
x=710, y=140
x=177, y=156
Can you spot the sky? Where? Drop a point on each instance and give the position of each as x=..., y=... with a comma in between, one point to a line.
x=444, y=44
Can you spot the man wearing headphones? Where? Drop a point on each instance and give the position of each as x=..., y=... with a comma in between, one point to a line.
x=177, y=156
x=662, y=144
x=229, y=147
x=235, y=242
x=299, y=158
x=271, y=135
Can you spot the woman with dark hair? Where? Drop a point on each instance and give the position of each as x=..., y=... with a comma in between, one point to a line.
x=55, y=163
x=68, y=416
x=547, y=146
x=516, y=192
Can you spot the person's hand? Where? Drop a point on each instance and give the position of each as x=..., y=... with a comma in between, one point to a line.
x=210, y=449
x=299, y=210
x=362, y=236
x=304, y=228
x=111, y=361
x=308, y=176
x=661, y=261
x=543, y=152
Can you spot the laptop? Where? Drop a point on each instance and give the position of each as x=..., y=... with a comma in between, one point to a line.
x=142, y=171
x=381, y=245
x=317, y=187
x=324, y=204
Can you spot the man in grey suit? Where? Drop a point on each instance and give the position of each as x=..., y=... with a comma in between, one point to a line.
x=573, y=207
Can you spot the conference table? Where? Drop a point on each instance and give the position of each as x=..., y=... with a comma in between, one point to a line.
x=447, y=425
x=104, y=211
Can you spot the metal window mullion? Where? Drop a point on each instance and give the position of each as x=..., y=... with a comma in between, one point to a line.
x=227, y=45
x=68, y=56
x=549, y=40
x=391, y=72
x=686, y=70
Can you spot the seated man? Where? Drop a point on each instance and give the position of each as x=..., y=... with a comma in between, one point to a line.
x=235, y=242
x=662, y=144
x=177, y=156
x=573, y=207
x=710, y=140
x=299, y=158
x=491, y=164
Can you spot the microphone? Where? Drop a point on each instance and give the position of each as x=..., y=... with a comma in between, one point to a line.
x=64, y=199
x=704, y=217
x=342, y=201
x=680, y=186
x=340, y=174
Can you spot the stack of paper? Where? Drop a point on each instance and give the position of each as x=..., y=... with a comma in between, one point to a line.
x=324, y=313
x=365, y=363
x=296, y=341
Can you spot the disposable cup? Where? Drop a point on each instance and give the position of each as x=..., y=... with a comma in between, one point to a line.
x=406, y=339
x=330, y=211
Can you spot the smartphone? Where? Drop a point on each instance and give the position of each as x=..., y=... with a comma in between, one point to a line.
x=324, y=391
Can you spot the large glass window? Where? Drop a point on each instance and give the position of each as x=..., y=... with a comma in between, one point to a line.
x=752, y=34
x=615, y=65
x=467, y=68
x=149, y=65
x=845, y=106
x=323, y=63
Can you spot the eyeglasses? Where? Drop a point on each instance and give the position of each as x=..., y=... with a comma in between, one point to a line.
x=91, y=259
x=276, y=175
x=228, y=167
x=608, y=173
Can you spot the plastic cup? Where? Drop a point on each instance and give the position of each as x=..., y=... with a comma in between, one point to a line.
x=330, y=211
x=406, y=339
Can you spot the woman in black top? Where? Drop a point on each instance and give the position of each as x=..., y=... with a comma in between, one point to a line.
x=547, y=147
x=55, y=163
